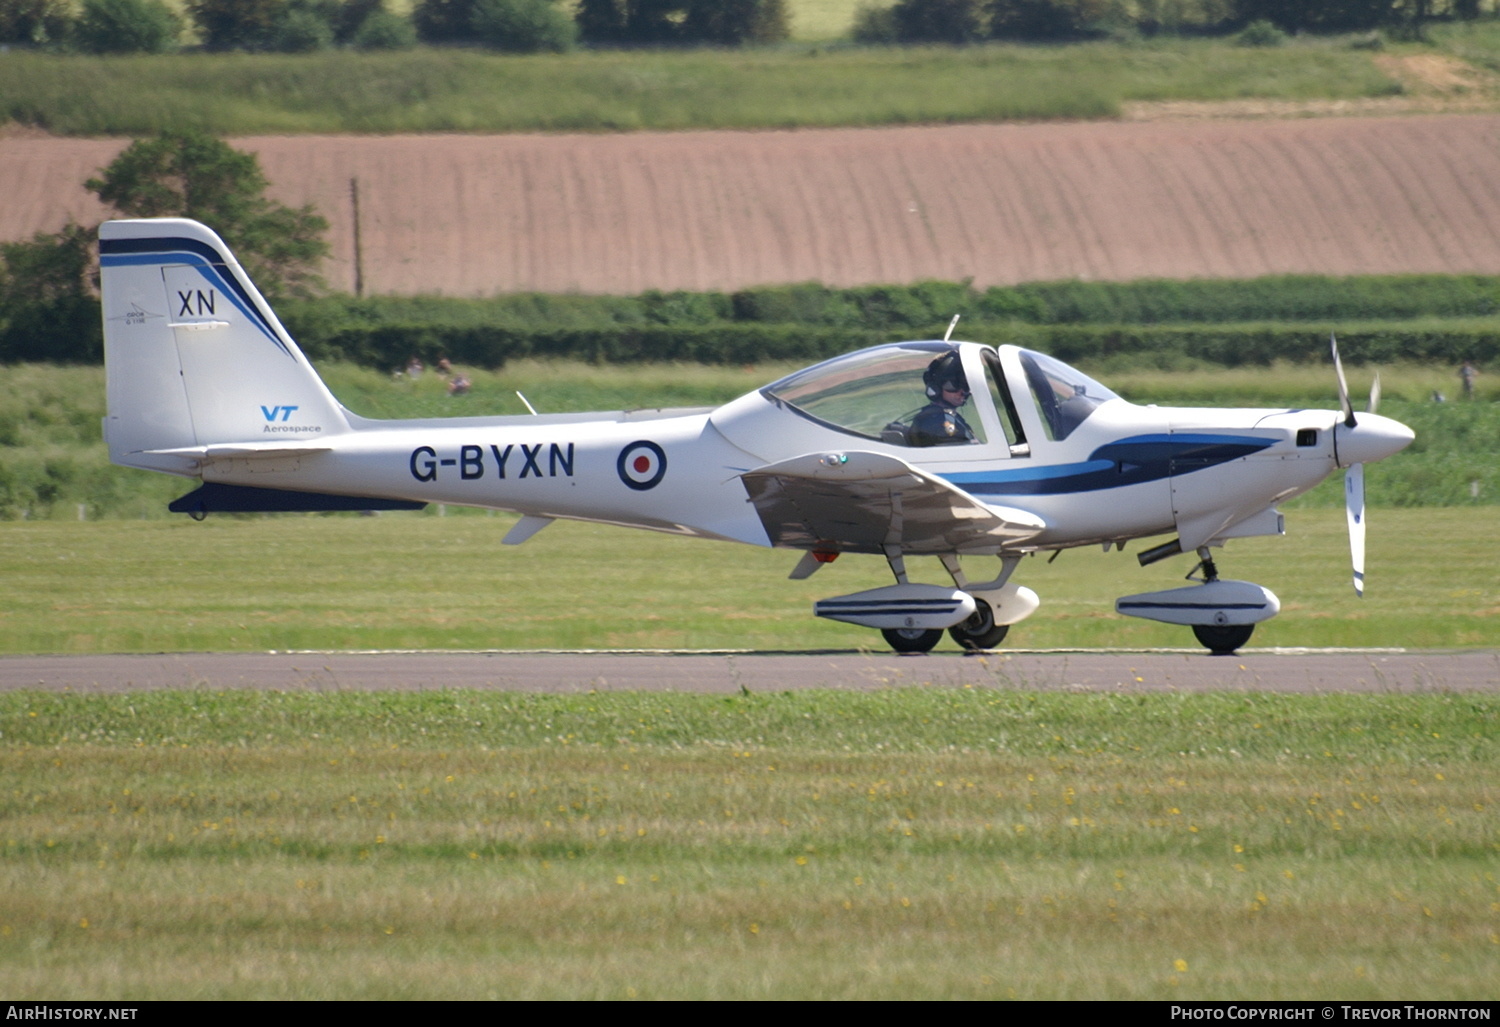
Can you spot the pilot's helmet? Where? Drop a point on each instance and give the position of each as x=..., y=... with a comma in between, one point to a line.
x=947, y=369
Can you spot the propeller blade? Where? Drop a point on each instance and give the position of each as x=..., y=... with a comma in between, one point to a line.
x=1375, y=393
x=1338, y=368
x=1354, y=504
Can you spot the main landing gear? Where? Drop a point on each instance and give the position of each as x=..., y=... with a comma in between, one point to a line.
x=978, y=631
x=912, y=640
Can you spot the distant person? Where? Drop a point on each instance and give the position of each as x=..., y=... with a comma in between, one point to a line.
x=1467, y=374
x=459, y=385
x=414, y=368
x=939, y=423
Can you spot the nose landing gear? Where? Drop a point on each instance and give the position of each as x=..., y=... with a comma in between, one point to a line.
x=1218, y=639
x=1222, y=614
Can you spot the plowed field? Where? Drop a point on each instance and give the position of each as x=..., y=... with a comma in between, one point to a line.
x=474, y=215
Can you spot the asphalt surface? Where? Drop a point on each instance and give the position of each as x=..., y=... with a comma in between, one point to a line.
x=728, y=672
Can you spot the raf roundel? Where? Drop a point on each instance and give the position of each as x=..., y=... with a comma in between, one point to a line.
x=642, y=465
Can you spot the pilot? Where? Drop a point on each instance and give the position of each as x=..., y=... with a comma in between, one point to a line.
x=939, y=423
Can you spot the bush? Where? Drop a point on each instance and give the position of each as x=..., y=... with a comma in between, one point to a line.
x=127, y=26
x=383, y=30
x=523, y=26
x=302, y=30
x=1260, y=33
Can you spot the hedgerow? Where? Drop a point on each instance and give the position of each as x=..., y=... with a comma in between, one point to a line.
x=1154, y=323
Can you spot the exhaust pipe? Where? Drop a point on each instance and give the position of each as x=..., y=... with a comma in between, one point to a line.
x=1160, y=552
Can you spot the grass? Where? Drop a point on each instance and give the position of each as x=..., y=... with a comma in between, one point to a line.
x=429, y=582
x=466, y=91
x=923, y=843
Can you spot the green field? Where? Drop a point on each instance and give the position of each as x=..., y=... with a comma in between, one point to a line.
x=429, y=582
x=923, y=843
x=53, y=465
x=467, y=91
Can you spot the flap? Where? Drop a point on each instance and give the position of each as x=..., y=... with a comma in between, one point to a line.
x=861, y=502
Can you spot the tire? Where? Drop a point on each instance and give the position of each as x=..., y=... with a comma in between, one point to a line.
x=1223, y=640
x=912, y=640
x=980, y=631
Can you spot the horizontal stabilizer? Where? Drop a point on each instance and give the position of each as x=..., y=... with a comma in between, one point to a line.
x=241, y=451
x=863, y=502
x=217, y=498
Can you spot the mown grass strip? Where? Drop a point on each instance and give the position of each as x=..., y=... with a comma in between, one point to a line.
x=447, y=583
x=923, y=843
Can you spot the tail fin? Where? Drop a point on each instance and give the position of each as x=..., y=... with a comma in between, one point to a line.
x=194, y=356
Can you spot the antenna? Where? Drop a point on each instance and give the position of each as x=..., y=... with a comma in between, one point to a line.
x=951, y=325
x=527, y=402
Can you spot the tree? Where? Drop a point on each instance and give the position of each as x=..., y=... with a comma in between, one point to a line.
x=601, y=21
x=874, y=25
x=655, y=22
x=735, y=22
x=237, y=24
x=937, y=21
x=349, y=17
x=127, y=26
x=523, y=26
x=1044, y=19
x=33, y=22
x=444, y=21
x=1318, y=15
x=197, y=176
x=49, y=308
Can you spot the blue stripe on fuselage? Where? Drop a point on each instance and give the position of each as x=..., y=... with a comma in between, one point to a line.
x=1132, y=461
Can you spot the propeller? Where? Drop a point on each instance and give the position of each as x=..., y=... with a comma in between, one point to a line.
x=1354, y=478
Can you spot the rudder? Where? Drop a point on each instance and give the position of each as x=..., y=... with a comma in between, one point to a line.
x=194, y=355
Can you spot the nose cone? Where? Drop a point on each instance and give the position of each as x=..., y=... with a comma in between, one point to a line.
x=1372, y=438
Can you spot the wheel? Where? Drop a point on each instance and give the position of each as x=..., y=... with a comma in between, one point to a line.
x=980, y=631
x=912, y=640
x=1221, y=640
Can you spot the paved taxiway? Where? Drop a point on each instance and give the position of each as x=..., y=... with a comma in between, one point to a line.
x=728, y=672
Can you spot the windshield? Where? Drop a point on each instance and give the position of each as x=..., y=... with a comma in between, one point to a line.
x=1064, y=397
x=883, y=393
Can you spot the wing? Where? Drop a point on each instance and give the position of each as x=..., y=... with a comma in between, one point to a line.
x=861, y=502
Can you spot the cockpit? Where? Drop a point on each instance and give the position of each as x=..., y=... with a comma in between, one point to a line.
x=920, y=394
